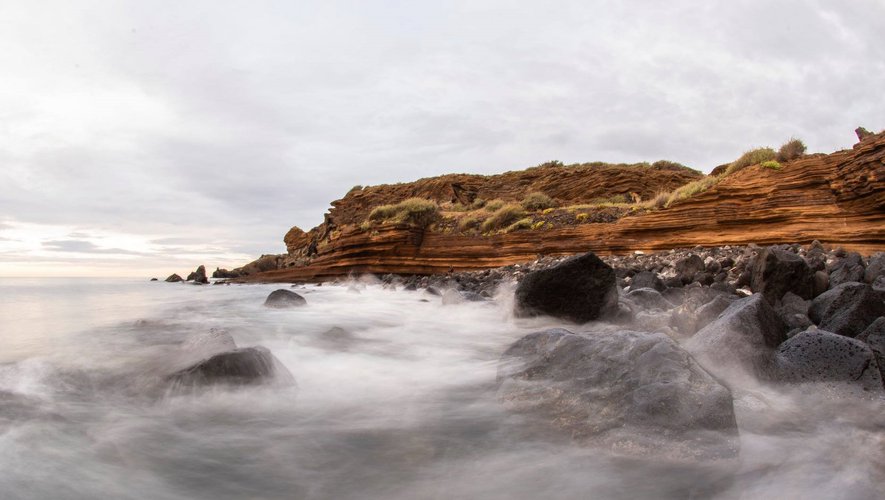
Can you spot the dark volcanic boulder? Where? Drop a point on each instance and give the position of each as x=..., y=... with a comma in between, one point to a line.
x=875, y=267
x=648, y=298
x=689, y=267
x=847, y=309
x=742, y=340
x=198, y=276
x=874, y=336
x=580, y=289
x=647, y=279
x=848, y=268
x=248, y=365
x=776, y=272
x=174, y=278
x=637, y=393
x=821, y=356
x=283, y=298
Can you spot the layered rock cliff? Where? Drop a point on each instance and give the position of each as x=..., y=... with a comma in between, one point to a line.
x=838, y=199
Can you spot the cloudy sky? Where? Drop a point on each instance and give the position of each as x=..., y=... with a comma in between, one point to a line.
x=144, y=138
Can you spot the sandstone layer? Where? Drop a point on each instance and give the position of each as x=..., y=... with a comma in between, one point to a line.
x=838, y=199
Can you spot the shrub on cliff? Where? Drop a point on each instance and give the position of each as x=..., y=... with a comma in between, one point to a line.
x=520, y=224
x=494, y=205
x=772, y=165
x=691, y=189
x=503, y=217
x=415, y=211
x=752, y=157
x=537, y=201
x=792, y=149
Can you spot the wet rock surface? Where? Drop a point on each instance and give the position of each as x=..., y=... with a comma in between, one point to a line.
x=282, y=298
x=848, y=309
x=820, y=356
x=635, y=392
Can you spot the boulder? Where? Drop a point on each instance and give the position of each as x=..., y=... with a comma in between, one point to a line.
x=648, y=298
x=647, y=279
x=687, y=268
x=198, y=276
x=847, y=309
x=847, y=269
x=248, y=365
x=820, y=356
x=794, y=311
x=821, y=282
x=776, y=272
x=579, y=289
x=174, y=278
x=637, y=393
x=875, y=267
x=874, y=337
x=742, y=340
x=224, y=273
x=154, y=279
x=283, y=298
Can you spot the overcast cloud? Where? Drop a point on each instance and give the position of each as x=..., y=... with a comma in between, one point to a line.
x=150, y=137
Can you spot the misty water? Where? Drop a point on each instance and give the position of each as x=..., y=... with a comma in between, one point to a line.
x=401, y=406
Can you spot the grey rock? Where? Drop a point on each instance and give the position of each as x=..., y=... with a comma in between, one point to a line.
x=647, y=279
x=874, y=337
x=283, y=298
x=248, y=365
x=776, y=272
x=638, y=393
x=847, y=269
x=875, y=267
x=687, y=268
x=580, y=289
x=847, y=309
x=649, y=298
x=742, y=340
x=198, y=276
x=821, y=356
x=821, y=282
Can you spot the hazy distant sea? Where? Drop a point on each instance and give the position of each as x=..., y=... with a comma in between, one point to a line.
x=404, y=409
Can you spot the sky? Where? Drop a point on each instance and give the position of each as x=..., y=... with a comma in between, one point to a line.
x=145, y=138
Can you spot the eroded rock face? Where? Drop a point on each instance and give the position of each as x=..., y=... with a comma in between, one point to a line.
x=579, y=289
x=282, y=298
x=776, y=272
x=742, y=340
x=637, y=393
x=821, y=356
x=847, y=309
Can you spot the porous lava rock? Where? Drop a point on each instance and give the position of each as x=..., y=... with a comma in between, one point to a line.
x=847, y=309
x=776, y=272
x=580, y=289
x=821, y=356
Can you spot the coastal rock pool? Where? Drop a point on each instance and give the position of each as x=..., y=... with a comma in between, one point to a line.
x=394, y=397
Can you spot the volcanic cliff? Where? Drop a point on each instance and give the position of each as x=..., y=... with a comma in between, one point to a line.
x=838, y=199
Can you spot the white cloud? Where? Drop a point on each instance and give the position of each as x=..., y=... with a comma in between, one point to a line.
x=227, y=123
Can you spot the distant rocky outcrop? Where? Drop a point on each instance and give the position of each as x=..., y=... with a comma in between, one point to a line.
x=198, y=276
x=174, y=278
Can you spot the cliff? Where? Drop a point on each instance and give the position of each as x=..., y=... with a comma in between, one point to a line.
x=838, y=199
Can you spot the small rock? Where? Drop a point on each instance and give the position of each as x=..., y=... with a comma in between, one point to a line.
x=848, y=268
x=687, y=268
x=174, y=278
x=647, y=279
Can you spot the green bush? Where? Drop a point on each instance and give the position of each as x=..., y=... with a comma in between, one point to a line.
x=469, y=222
x=771, y=164
x=752, y=157
x=537, y=201
x=415, y=211
x=792, y=149
x=503, y=217
x=477, y=204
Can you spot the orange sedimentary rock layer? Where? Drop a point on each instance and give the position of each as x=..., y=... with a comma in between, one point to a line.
x=838, y=199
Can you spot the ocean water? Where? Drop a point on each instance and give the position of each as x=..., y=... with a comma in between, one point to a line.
x=403, y=406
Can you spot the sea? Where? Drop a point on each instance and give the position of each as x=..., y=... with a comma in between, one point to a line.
x=394, y=398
